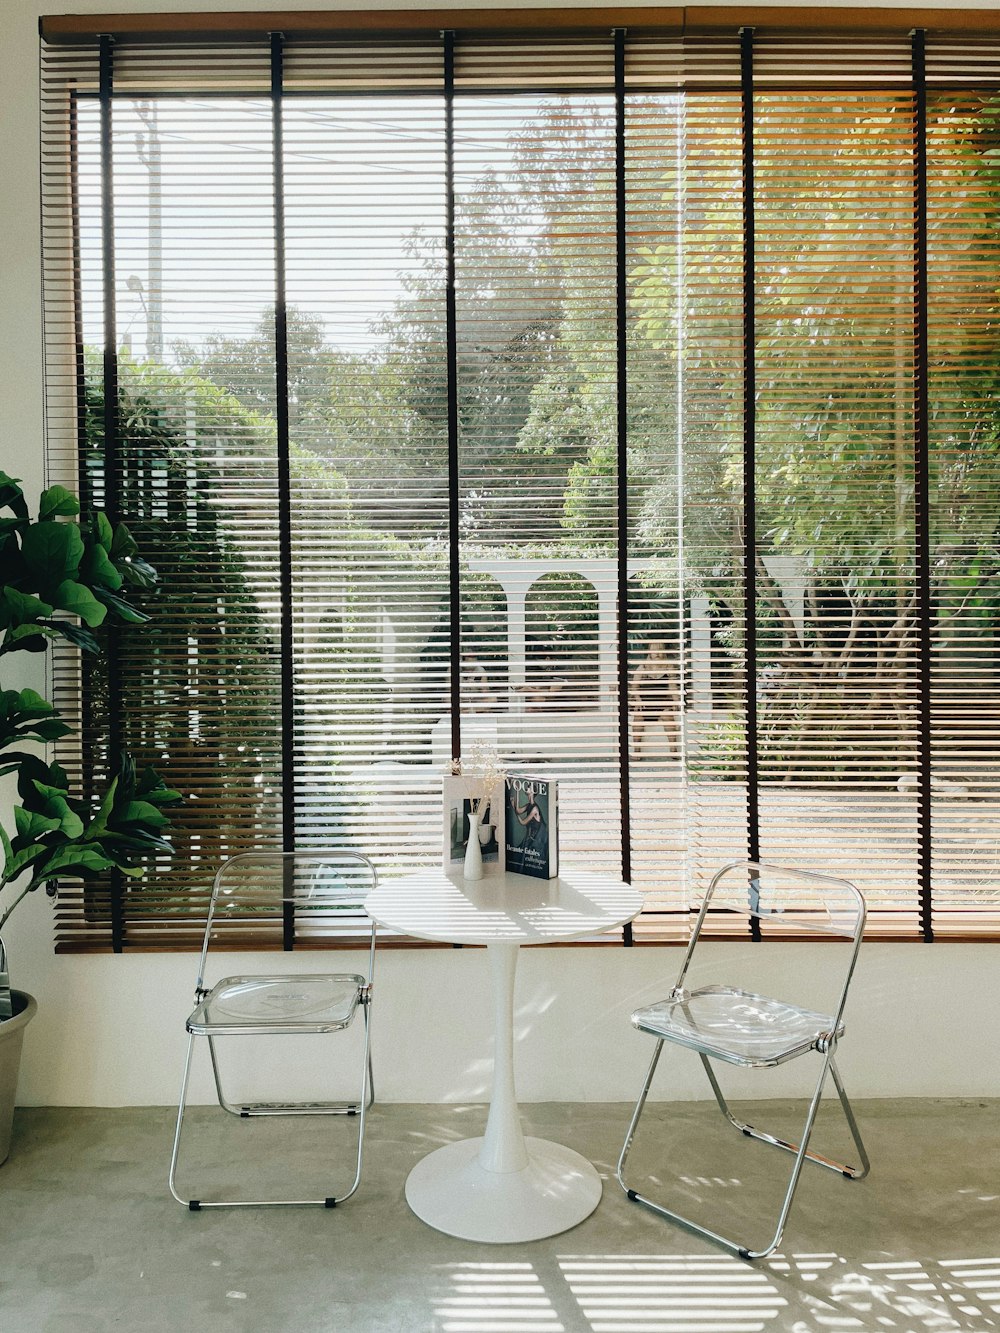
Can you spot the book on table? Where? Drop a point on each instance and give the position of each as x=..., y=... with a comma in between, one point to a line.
x=531, y=826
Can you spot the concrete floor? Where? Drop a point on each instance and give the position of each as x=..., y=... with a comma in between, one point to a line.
x=90, y=1239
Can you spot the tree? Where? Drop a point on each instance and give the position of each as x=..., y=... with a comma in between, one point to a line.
x=244, y=367
x=834, y=484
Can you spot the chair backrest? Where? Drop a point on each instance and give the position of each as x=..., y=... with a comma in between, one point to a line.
x=784, y=899
x=260, y=900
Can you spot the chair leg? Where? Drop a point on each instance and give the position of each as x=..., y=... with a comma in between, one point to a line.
x=841, y=1168
x=801, y=1152
x=172, y=1177
x=246, y=1110
x=367, y=1099
x=358, y=1108
x=634, y=1123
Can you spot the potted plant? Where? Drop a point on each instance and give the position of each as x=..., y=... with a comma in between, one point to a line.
x=60, y=578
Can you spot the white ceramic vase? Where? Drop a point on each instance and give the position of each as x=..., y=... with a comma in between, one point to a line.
x=473, y=868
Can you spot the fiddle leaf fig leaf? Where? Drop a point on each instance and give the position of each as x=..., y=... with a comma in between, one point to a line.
x=151, y=787
x=122, y=609
x=11, y=495
x=76, y=634
x=12, y=761
x=140, y=841
x=98, y=569
x=142, y=812
x=32, y=824
x=123, y=544
x=72, y=861
x=20, y=860
x=47, y=730
x=28, y=639
x=55, y=806
x=140, y=573
x=79, y=601
x=24, y=704
x=98, y=825
x=52, y=552
x=103, y=531
x=57, y=502
x=21, y=608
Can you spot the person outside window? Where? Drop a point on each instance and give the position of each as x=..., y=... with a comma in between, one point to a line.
x=654, y=697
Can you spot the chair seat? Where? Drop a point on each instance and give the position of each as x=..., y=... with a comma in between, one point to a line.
x=735, y=1025
x=299, y=1004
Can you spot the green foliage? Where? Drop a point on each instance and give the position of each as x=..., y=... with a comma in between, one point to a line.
x=49, y=567
x=58, y=837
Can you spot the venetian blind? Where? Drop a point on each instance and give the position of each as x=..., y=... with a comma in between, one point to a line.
x=623, y=403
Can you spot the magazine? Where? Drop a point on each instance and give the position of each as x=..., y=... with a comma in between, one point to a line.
x=532, y=830
x=458, y=793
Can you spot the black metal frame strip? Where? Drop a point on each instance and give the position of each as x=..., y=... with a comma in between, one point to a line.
x=284, y=479
x=112, y=439
x=750, y=455
x=79, y=350
x=451, y=355
x=84, y=479
x=921, y=482
x=621, y=427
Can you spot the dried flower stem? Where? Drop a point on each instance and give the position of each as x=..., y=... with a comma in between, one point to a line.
x=483, y=769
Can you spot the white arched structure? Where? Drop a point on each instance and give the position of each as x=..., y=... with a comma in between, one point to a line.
x=517, y=576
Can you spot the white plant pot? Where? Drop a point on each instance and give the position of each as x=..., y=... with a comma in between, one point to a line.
x=11, y=1038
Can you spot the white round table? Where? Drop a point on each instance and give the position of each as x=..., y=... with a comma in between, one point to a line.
x=503, y=1186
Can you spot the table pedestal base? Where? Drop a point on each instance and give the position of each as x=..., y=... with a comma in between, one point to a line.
x=450, y=1191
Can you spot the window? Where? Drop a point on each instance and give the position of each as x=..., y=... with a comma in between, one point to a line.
x=628, y=402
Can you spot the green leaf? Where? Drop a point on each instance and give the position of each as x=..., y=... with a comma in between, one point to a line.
x=103, y=531
x=122, y=609
x=21, y=608
x=57, y=807
x=11, y=495
x=52, y=552
x=151, y=787
x=123, y=544
x=20, y=860
x=76, y=634
x=52, y=729
x=142, y=843
x=25, y=639
x=68, y=861
x=32, y=824
x=57, y=502
x=142, y=812
x=139, y=572
x=11, y=763
x=34, y=769
x=79, y=601
x=99, y=823
x=98, y=569
x=28, y=703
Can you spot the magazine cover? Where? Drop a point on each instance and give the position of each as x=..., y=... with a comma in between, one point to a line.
x=458, y=792
x=532, y=833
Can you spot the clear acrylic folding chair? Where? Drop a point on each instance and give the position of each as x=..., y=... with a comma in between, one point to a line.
x=260, y=896
x=754, y=1031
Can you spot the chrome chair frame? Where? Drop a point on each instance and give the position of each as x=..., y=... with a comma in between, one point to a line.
x=247, y=1110
x=825, y=1044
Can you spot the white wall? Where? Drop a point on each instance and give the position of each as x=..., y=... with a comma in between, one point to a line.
x=110, y=1029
